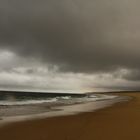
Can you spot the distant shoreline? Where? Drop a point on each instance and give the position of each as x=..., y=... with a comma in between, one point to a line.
x=71, y=93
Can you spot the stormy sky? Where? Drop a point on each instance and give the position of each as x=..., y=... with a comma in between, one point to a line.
x=70, y=45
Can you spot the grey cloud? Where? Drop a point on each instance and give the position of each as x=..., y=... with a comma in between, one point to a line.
x=77, y=35
x=132, y=75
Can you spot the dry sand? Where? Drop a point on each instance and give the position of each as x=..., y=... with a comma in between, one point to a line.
x=118, y=122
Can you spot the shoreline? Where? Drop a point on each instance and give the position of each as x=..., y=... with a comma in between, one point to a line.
x=121, y=117
x=65, y=110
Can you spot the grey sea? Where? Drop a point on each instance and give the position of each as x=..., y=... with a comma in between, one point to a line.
x=16, y=105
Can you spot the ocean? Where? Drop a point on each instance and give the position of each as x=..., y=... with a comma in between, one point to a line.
x=34, y=104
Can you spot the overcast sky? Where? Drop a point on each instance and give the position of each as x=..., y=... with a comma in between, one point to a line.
x=70, y=45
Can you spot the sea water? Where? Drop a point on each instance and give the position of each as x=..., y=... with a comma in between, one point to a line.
x=31, y=104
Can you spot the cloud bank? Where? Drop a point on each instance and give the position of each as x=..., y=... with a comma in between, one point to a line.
x=76, y=36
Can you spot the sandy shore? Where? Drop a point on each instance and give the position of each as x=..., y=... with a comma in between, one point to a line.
x=118, y=122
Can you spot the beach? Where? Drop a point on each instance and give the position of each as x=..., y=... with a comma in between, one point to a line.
x=120, y=121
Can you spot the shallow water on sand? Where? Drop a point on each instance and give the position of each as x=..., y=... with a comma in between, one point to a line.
x=22, y=106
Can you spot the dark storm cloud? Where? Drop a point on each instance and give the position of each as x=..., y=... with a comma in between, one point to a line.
x=76, y=35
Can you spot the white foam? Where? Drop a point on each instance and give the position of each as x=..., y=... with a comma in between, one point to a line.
x=10, y=103
x=64, y=97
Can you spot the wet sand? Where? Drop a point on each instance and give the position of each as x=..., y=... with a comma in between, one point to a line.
x=118, y=122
